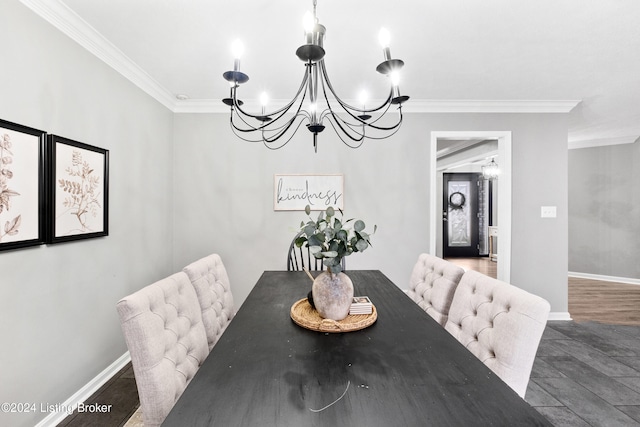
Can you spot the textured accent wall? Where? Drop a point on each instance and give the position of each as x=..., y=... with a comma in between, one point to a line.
x=604, y=207
x=228, y=183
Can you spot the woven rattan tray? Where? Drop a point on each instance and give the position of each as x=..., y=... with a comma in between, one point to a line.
x=306, y=316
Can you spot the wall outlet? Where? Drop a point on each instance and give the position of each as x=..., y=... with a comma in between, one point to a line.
x=548, y=212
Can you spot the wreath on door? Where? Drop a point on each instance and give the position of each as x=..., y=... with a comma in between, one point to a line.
x=456, y=200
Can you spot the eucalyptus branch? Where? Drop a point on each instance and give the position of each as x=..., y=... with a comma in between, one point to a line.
x=329, y=239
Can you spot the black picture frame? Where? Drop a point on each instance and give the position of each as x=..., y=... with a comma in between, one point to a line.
x=77, y=190
x=22, y=189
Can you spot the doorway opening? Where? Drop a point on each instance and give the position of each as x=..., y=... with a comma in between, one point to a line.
x=455, y=152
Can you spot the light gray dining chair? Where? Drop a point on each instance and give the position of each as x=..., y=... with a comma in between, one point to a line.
x=211, y=283
x=500, y=324
x=162, y=326
x=432, y=284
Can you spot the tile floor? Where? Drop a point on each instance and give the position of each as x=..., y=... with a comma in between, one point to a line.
x=587, y=374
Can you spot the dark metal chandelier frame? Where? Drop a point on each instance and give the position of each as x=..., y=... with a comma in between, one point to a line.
x=350, y=123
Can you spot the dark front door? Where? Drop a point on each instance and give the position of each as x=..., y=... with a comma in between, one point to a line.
x=460, y=236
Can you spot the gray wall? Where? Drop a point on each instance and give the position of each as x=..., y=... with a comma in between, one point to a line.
x=604, y=207
x=228, y=186
x=58, y=322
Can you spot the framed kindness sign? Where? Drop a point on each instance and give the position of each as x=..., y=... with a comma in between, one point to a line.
x=294, y=192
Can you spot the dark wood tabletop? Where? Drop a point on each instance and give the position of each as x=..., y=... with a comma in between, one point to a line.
x=404, y=370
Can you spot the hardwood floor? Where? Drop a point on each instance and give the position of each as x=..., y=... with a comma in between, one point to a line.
x=586, y=372
x=589, y=300
x=606, y=302
x=120, y=392
x=482, y=265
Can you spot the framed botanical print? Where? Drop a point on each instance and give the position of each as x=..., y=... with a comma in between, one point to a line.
x=21, y=186
x=78, y=187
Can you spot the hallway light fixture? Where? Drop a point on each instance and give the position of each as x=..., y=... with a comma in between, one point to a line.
x=349, y=122
x=490, y=171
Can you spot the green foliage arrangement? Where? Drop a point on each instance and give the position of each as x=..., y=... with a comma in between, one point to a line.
x=329, y=239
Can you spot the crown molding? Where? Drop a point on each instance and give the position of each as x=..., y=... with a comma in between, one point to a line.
x=489, y=106
x=412, y=106
x=602, y=142
x=68, y=22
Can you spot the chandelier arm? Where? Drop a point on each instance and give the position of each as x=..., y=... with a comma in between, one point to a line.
x=266, y=125
x=240, y=117
x=280, y=111
x=393, y=128
x=346, y=106
x=337, y=121
x=385, y=128
x=326, y=98
x=249, y=128
x=358, y=119
x=265, y=142
x=282, y=130
x=360, y=140
x=279, y=132
x=379, y=138
x=360, y=122
x=351, y=126
x=236, y=131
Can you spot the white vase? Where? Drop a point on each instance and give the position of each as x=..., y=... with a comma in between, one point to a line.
x=332, y=295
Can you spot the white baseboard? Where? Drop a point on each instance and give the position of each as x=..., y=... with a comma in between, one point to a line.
x=559, y=315
x=626, y=280
x=54, y=418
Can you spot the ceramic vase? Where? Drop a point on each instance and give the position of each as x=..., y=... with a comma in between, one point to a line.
x=332, y=295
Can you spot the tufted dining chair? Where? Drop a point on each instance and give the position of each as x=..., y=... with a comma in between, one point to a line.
x=432, y=284
x=162, y=326
x=500, y=324
x=211, y=283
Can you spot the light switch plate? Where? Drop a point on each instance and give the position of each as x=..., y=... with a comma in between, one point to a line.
x=548, y=212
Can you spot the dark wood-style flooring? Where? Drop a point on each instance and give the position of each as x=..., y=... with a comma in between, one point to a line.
x=120, y=392
x=586, y=372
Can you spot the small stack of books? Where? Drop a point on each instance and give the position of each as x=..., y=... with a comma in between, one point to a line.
x=361, y=305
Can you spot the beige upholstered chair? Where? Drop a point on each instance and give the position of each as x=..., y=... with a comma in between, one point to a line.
x=163, y=329
x=211, y=282
x=432, y=284
x=500, y=324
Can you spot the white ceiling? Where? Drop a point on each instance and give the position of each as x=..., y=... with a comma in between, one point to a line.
x=491, y=55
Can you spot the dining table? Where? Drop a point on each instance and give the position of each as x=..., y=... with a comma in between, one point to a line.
x=404, y=369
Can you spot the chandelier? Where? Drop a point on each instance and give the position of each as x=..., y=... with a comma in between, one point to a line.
x=490, y=171
x=352, y=124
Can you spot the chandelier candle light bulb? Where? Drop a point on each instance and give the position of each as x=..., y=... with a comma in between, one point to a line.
x=237, y=49
x=384, y=37
x=308, y=23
